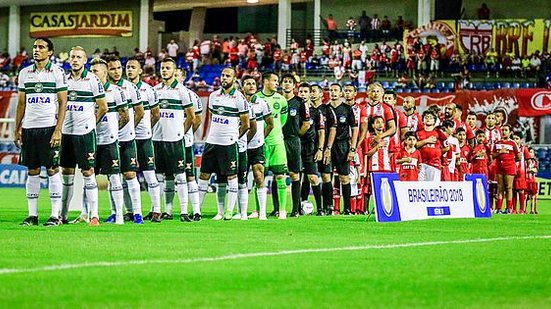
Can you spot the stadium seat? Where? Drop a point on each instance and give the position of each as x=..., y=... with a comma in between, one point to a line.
x=516, y=85
x=506, y=85
x=451, y=85
x=441, y=85
x=541, y=152
x=399, y=90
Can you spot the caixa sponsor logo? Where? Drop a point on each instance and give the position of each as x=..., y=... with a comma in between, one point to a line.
x=541, y=100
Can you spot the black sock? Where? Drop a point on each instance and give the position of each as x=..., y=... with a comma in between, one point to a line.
x=305, y=188
x=295, y=194
x=275, y=198
x=346, y=196
x=317, y=195
x=327, y=191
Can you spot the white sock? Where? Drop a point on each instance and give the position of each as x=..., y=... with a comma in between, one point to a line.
x=203, y=187
x=55, y=188
x=67, y=194
x=161, y=179
x=193, y=190
x=181, y=188
x=33, y=188
x=233, y=187
x=135, y=195
x=154, y=190
x=169, y=195
x=262, y=197
x=85, y=206
x=116, y=194
x=91, y=187
x=221, y=197
x=111, y=200
x=127, y=197
x=243, y=198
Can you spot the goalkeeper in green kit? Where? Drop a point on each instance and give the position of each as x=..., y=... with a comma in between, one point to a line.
x=276, y=157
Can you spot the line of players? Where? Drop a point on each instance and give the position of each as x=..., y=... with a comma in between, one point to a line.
x=111, y=125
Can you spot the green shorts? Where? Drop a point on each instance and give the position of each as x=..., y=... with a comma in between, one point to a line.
x=36, y=150
x=170, y=157
x=129, y=157
x=219, y=159
x=242, y=170
x=190, y=161
x=146, y=155
x=78, y=149
x=108, y=159
x=292, y=151
x=276, y=158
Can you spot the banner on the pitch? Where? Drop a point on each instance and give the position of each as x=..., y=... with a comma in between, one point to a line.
x=397, y=200
x=15, y=176
x=544, y=188
x=67, y=24
x=534, y=102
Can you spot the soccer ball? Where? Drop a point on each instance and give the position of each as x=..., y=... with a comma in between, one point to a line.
x=307, y=207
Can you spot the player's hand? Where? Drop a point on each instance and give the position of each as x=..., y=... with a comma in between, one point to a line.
x=351, y=156
x=431, y=139
x=409, y=160
x=318, y=156
x=17, y=139
x=327, y=156
x=375, y=140
x=55, y=141
x=503, y=150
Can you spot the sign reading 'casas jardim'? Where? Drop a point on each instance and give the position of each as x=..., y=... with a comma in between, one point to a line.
x=67, y=24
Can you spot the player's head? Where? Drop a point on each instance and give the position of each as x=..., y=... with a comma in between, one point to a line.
x=335, y=91
x=288, y=83
x=228, y=78
x=248, y=85
x=410, y=139
x=490, y=120
x=449, y=111
x=480, y=136
x=506, y=130
x=376, y=124
x=180, y=75
x=43, y=49
x=304, y=91
x=409, y=103
x=471, y=119
x=114, y=68
x=447, y=127
x=458, y=112
x=532, y=152
x=133, y=68
x=350, y=92
x=98, y=66
x=461, y=134
x=499, y=117
x=517, y=137
x=317, y=92
x=390, y=97
x=270, y=81
x=77, y=58
x=376, y=92
x=435, y=109
x=429, y=118
x=168, y=68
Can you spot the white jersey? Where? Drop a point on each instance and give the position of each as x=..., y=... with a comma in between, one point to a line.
x=41, y=88
x=108, y=127
x=198, y=108
x=82, y=93
x=173, y=100
x=128, y=133
x=149, y=100
x=225, y=109
x=261, y=111
x=242, y=141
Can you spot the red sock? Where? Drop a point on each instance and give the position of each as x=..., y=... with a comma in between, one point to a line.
x=499, y=203
x=522, y=202
x=336, y=197
x=360, y=203
x=510, y=205
x=353, y=201
x=514, y=203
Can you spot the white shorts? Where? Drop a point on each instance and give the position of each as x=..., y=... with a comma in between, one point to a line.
x=429, y=173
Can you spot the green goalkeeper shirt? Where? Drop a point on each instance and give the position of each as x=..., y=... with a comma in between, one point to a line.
x=278, y=105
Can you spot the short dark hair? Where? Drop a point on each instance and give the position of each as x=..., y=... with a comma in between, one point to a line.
x=268, y=75
x=305, y=85
x=517, y=133
x=351, y=85
x=459, y=107
x=429, y=112
x=391, y=91
x=112, y=58
x=447, y=123
x=471, y=113
x=336, y=84
x=288, y=75
x=478, y=132
x=246, y=77
x=410, y=134
x=168, y=59
x=316, y=86
x=371, y=121
x=50, y=43
x=460, y=130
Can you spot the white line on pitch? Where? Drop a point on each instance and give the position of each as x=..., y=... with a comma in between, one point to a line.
x=5, y=271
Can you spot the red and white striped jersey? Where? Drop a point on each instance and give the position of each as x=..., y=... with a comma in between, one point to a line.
x=492, y=136
x=414, y=122
x=380, y=160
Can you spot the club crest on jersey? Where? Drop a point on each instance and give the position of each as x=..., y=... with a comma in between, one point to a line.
x=115, y=163
x=342, y=119
x=90, y=156
x=72, y=96
x=293, y=112
x=38, y=87
x=163, y=103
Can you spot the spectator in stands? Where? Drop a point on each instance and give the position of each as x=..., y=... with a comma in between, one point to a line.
x=205, y=50
x=309, y=48
x=357, y=59
x=162, y=54
x=400, y=26
x=351, y=26
x=5, y=61
x=364, y=23
x=386, y=26
x=516, y=66
x=339, y=71
x=525, y=66
x=19, y=59
x=484, y=12
x=149, y=62
x=465, y=78
x=4, y=80
x=331, y=26
x=375, y=22
x=172, y=49
x=491, y=61
x=535, y=63
x=364, y=49
x=216, y=50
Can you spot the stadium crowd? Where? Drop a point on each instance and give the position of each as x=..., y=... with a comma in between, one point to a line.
x=111, y=122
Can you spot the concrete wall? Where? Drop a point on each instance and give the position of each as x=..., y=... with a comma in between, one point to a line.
x=4, y=22
x=502, y=9
x=124, y=45
x=343, y=9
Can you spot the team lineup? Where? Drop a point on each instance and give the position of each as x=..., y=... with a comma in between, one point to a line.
x=109, y=122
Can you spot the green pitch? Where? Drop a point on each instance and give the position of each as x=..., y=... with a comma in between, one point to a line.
x=267, y=264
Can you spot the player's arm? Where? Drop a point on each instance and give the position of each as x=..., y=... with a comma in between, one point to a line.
x=102, y=109
x=423, y=142
x=403, y=132
x=138, y=113
x=243, y=123
x=269, y=124
x=155, y=115
x=372, y=150
x=305, y=116
x=197, y=121
x=190, y=118
x=252, y=130
x=62, y=107
x=330, y=140
x=123, y=116
x=318, y=156
x=304, y=127
x=362, y=132
x=19, y=113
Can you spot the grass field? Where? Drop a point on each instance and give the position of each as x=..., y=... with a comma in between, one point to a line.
x=433, y=263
